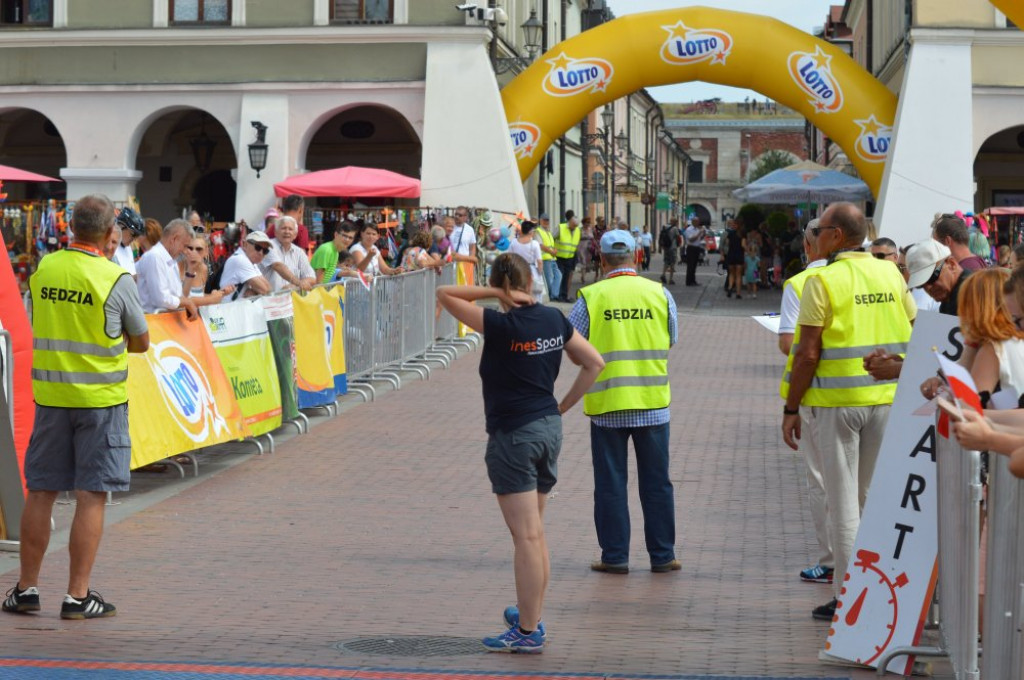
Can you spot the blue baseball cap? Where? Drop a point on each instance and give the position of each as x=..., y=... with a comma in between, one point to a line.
x=617, y=241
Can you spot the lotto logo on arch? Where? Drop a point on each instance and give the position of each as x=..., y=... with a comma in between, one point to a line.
x=569, y=77
x=186, y=390
x=813, y=74
x=685, y=46
x=524, y=138
x=874, y=140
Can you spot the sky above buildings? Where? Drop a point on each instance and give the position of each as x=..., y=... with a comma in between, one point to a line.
x=803, y=14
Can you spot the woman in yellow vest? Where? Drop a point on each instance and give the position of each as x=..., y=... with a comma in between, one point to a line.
x=522, y=354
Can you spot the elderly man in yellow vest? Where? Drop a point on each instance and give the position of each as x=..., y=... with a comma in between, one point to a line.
x=822, y=570
x=632, y=323
x=567, y=241
x=849, y=307
x=86, y=317
x=552, y=276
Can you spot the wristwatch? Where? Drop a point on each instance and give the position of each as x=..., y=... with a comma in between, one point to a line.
x=787, y=412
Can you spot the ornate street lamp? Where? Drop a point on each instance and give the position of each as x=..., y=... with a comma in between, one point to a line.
x=532, y=29
x=258, y=149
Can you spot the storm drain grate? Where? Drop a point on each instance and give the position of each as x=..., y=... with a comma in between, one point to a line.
x=411, y=645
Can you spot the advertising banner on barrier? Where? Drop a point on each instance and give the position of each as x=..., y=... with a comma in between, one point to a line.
x=464, y=276
x=334, y=325
x=280, y=324
x=313, y=362
x=889, y=582
x=239, y=334
x=197, y=407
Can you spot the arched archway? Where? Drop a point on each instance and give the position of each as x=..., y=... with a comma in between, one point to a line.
x=999, y=176
x=366, y=135
x=30, y=141
x=729, y=48
x=182, y=153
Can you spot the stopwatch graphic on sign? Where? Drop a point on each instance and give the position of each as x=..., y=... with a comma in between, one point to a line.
x=875, y=598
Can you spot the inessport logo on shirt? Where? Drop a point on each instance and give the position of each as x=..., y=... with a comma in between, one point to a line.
x=538, y=346
x=874, y=140
x=569, y=77
x=685, y=46
x=524, y=138
x=186, y=391
x=813, y=74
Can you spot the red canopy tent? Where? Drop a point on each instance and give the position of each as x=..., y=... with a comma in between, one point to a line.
x=9, y=174
x=350, y=182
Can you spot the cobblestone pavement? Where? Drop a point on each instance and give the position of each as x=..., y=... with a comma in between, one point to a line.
x=379, y=524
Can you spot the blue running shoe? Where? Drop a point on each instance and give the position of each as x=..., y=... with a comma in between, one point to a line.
x=511, y=617
x=817, y=574
x=514, y=642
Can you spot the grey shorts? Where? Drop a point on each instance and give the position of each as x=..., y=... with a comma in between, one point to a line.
x=83, y=449
x=525, y=459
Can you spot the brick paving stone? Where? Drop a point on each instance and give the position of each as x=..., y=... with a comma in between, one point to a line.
x=380, y=522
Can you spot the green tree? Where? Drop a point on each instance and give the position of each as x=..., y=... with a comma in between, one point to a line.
x=750, y=216
x=769, y=161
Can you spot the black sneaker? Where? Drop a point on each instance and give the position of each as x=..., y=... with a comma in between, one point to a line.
x=19, y=601
x=827, y=611
x=90, y=607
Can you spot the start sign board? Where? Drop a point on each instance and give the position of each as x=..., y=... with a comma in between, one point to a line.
x=891, y=576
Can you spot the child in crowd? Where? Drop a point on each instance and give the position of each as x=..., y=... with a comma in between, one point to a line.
x=752, y=266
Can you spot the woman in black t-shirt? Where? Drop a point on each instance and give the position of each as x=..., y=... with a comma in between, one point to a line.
x=522, y=354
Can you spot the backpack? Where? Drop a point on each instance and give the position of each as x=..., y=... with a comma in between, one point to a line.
x=665, y=240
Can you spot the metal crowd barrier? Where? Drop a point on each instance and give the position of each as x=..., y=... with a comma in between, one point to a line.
x=1004, y=574
x=7, y=369
x=959, y=510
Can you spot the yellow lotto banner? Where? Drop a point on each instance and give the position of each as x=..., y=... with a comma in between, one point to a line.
x=465, y=273
x=179, y=398
x=681, y=45
x=312, y=356
x=334, y=327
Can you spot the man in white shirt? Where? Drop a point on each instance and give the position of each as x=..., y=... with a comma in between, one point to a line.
x=241, y=270
x=694, y=236
x=463, y=238
x=287, y=264
x=159, y=279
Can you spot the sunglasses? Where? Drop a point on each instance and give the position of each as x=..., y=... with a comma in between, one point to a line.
x=816, y=231
x=261, y=249
x=935, y=275
x=882, y=256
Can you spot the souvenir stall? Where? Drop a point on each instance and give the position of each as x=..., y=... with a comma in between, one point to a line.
x=30, y=229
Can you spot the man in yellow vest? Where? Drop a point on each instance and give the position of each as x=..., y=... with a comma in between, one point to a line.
x=849, y=307
x=632, y=323
x=86, y=317
x=822, y=570
x=552, y=277
x=567, y=241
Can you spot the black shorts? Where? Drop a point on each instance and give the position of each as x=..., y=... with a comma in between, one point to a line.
x=525, y=459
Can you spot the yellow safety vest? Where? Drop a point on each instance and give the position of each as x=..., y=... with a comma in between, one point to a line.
x=75, y=364
x=867, y=312
x=797, y=283
x=629, y=327
x=548, y=241
x=567, y=246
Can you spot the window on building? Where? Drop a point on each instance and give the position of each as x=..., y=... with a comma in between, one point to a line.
x=26, y=12
x=362, y=11
x=696, y=172
x=200, y=11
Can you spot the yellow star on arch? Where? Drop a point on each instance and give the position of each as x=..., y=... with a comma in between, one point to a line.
x=561, y=61
x=820, y=58
x=679, y=30
x=870, y=126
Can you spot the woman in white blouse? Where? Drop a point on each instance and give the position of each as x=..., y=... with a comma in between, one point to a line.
x=368, y=257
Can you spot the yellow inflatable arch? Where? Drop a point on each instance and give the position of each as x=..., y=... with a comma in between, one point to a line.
x=698, y=43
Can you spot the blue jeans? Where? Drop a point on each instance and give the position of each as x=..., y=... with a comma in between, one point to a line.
x=552, y=277
x=609, y=448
